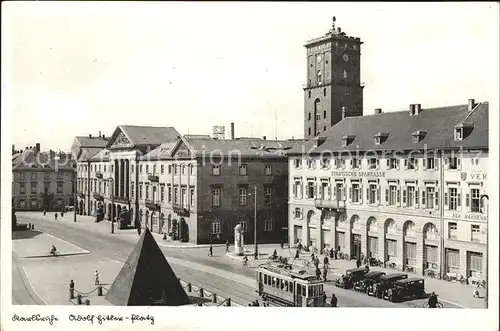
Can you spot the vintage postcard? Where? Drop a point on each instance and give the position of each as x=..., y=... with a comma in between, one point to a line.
x=212, y=165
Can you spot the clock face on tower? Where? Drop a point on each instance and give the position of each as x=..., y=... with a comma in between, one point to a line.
x=318, y=58
x=345, y=57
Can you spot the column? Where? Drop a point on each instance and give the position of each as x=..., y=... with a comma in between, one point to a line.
x=400, y=260
x=120, y=174
x=381, y=254
x=127, y=178
x=420, y=254
x=364, y=238
x=116, y=179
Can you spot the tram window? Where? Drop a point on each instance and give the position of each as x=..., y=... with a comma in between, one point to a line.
x=299, y=288
x=291, y=287
x=274, y=282
x=277, y=283
x=286, y=285
x=303, y=291
x=282, y=284
x=321, y=289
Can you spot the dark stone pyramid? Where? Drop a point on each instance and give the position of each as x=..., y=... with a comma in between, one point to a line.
x=146, y=278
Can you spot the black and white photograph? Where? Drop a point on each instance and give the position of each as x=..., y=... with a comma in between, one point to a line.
x=175, y=163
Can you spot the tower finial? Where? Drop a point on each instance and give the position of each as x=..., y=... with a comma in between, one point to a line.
x=333, y=22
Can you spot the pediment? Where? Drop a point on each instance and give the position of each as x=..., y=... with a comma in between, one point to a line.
x=182, y=151
x=121, y=141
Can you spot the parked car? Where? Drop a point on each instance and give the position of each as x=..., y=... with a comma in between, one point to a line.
x=371, y=277
x=378, y=289
x=351, y=276
x=406, y=289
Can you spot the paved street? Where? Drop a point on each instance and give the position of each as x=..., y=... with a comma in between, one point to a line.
x=220, y=274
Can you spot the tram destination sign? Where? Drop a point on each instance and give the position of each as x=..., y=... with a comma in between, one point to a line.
x=358, y=173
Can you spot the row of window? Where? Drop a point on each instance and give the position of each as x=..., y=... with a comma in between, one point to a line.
x=475, y=232
x=243, y=170
x=216, y=225
x=34, y=187
x=35, y=175
x=412, y=163
x=175, y=195
x=408, y=196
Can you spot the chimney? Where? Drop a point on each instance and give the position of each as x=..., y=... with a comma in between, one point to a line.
x=378, y=111
x=37, y=148
x=232, y=131
x=90, y=136
x=264, y=138
x=103, y=137
x=471, y=104
x=412, y=109
x=344, y=110
x=99, y=133
x=418, y=108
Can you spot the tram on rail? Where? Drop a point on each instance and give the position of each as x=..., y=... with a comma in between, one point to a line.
x=289, y=288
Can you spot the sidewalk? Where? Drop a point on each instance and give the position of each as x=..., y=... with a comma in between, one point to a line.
x=32, y=244
x=454, y=293
x=88, y=222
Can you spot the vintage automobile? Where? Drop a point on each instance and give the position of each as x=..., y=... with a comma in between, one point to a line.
x=406, y=289
x=371, y=277
x=351, y=276
x=378, y=289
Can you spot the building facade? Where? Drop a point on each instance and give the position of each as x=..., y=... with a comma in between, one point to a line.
x=406, y=187
x=198, y=190
x=42, y=180
x=333, y=89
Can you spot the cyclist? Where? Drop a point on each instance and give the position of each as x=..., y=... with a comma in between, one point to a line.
x=53, y=251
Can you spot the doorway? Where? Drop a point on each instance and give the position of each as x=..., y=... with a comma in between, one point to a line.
x=356, y=246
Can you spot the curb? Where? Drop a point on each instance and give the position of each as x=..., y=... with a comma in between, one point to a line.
x=50, y=256
x=27, y=283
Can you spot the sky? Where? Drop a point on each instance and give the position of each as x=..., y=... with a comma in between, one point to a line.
x=80, y=68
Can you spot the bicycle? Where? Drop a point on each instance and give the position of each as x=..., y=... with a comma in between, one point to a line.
x=409, y=269
x=391, y=265
x=307, y=264
x=346, y=257
x=53, y=254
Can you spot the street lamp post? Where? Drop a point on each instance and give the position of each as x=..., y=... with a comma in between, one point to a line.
x=112, y=205
x=256, y=250
x=74, y=197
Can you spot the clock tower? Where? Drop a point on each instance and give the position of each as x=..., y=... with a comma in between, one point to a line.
x=333, y=87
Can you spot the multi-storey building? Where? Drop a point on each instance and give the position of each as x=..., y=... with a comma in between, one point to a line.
x=333, y=89
x=83, y=149
x=410, y=187
x=199, y=189
x=41, y=180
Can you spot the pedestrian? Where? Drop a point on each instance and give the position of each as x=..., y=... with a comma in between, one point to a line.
x=367, y=268
x=71, y=285
x=331, y=253
x=325, y=273
x=362, y=258
x=316, y=262
x=326, y=262
x=297, y=254
x=337, y=252
x=324, y=299
x=358, y=263
x=318, y=272
x=96, y=277
x=257, y=303
x=333, y=301
x=475, y=293
x=44, y=212
x=139, y=230
x=312, y=257
x=211, y=251
x=432, y=300
x=55, y=216
x=227, y=245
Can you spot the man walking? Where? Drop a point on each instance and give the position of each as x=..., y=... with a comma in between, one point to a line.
x=227, y=245
x=333, y=301
x=433, y=300
x=210, y=251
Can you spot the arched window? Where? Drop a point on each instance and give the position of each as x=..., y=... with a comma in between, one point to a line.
x=390, y=226
x=216, y=226
x=430, y=232
x=372, y=224
x=316, y=106
x=319, y=77
x=244, y=223
x=409, y=230
x=268, y=224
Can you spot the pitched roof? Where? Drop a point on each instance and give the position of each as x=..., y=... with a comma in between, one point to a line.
x=145, y=135
x=146, y=278
x=87, y=153
x=102, y=156
x=28, y=159
x=160, y=153
x=86, y=141
x=255, y=147
x=438, y=124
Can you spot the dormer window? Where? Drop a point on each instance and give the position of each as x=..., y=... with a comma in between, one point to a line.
x=346, y=140
x=380, y=138
x=418, y=136
x=462, y=130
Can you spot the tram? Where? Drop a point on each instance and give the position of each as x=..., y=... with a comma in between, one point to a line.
x=288, y=288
